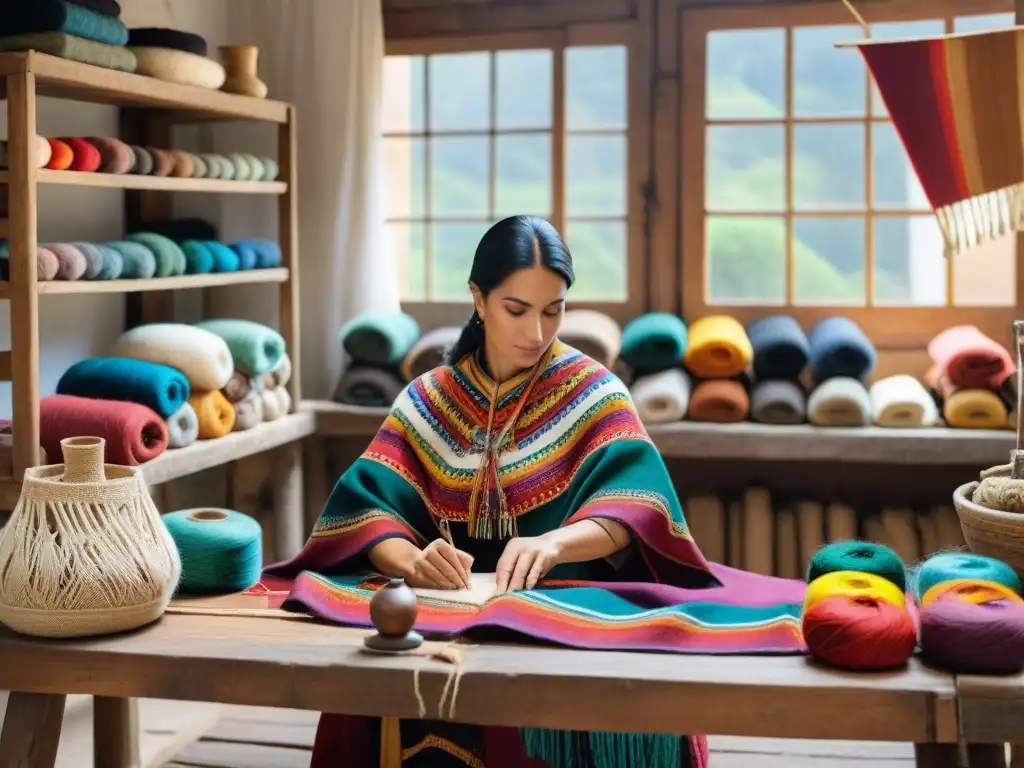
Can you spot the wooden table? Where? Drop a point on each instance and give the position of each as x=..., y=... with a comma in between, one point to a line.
x=300, y=664
x=991, y=712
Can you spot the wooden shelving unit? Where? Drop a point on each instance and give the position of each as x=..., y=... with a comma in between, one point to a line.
x=149, y=108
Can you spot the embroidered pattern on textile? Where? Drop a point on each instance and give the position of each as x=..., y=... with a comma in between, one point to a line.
x=436, y=742
x=434, y=434
x=329, y=526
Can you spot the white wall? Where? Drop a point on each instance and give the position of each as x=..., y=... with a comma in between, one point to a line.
x=73, y=327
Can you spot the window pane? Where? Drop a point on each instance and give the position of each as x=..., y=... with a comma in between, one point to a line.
x=524, y=89
x=600, y=259
x=402, y=98
x=896, y=184
x=524, y=175
x=595, y=176
x=827, y=81
x=453, y=249
x=405, y=166
x=910, y=268
x=407, y=243
x=746, y=259
x=828, y=169
x=904, y=29
x=828, y=260
x=460, y=176
x=986, y=276
x=746, y=168
x=983, y=22
x=460, y=91
x=595, y=88
x=746, y=74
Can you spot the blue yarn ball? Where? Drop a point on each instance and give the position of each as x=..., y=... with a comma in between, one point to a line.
x=221, y=550
x=947, y=566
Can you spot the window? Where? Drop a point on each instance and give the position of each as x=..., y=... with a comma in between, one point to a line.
x=806, y=198
x=471, y=137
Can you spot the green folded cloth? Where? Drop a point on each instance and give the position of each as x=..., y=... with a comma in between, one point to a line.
x=73, y=48
x=18, y=18
x=255, y=348
x=380, y=340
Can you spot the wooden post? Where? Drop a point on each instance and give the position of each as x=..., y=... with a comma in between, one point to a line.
x=288, y=234
x=31, y=732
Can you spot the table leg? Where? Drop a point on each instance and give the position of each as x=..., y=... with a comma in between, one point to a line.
x=115, y=732
x=31, y=730
x=936, y=756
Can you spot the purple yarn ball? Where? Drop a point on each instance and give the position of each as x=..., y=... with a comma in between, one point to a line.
x=970, y=637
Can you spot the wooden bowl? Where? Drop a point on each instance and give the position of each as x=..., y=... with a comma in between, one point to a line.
x=990, y=532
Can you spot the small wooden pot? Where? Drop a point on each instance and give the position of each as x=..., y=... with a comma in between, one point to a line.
x=240, y=63
x=990, y=532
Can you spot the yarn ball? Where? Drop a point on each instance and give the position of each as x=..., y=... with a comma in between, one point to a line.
x=967, y=637
x=947, y=566
x=61, y=155
x=221, y=550
x=853, y=584
x=864, y=556
x=859, y=632
x=971, y=591
x=115, y=156
x=86, y=158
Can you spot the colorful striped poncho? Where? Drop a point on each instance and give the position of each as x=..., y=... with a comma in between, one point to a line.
x=571, y=447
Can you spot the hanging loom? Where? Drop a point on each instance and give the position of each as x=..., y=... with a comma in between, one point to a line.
x=961, y=124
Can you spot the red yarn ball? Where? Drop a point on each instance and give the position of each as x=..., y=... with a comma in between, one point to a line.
x=859, y=633
x=86, y=157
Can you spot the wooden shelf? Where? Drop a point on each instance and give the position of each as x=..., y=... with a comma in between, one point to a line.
x=155, y=183
x=83, y=82
x=759, y=442
x=176, y=283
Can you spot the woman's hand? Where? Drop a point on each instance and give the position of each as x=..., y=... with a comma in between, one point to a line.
x=439, y=565
x=524, y=562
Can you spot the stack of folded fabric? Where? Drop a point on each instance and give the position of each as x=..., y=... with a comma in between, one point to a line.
x=841, y=357
x=780, y=355
x=376, y=346
x=89, y=31
x=719, y=353
x=175, y=56
x=651, y=360
x=593, y=333
x=969, y=370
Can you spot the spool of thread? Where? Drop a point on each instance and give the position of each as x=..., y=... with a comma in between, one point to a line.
x=970, y=590
x=221, y=550
x=965, y=637
x=948, y=566
x=864, y=556
x=853, y=584
x=859, y=632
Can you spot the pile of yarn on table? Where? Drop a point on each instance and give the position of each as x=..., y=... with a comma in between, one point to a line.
x=971, y=614
x=855, y=613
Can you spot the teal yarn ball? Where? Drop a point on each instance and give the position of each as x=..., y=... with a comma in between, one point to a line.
x=863, y=556
x=221, y=550
x=946, y=566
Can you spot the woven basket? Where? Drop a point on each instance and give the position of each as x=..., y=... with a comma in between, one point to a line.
x=85, y=551
x=990, y=532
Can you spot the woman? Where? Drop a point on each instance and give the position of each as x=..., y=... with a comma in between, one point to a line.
x=532, y=459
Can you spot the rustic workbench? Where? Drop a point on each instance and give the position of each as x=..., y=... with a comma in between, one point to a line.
x=301, y=664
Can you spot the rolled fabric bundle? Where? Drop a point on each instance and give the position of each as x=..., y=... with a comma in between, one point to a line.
x=280, y=374
x=182, y=427
x=73, y=48
x=115, y=156
x=93, y=260
x=718, y=348
x=227, y=168
x=85, y=158
x=213, y=166
x=71, y=263
x=137, y=261
x=199, y=169
x=243, y=171
x=265, y=254
x=247, y=257
x=170, y=259
x=840, y=348
x=163, y=161
x=781, y=349
x=722, y=401
x=840, y=402
x=778, y=402
x=198, y=257
x=902, y=401
x=974, y=409
x=47, y=262
x=144, y=161
x=653, y=342
x=215, y=414
x=255, y=348
x=157, y=386
x=133, y=433
x=381, y=340
x=369, y=387
x=271, y=170
x=255, y=166
x=271, y=405
x=202, y=356
x=625, y=372
x=969, y=358
x=663, y=397
x=239, y=387
x=42, y=152
x=429, y=351
x=248, y=412
x=113, y=263
x=182, y=167
x=593, y=333
x=178, y=67
x=224, y=258
x=61, y=155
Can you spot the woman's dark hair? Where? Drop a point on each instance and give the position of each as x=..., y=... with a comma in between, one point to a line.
x=518, y=242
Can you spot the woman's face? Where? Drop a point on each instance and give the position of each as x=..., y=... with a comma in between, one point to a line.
x=521, y=317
